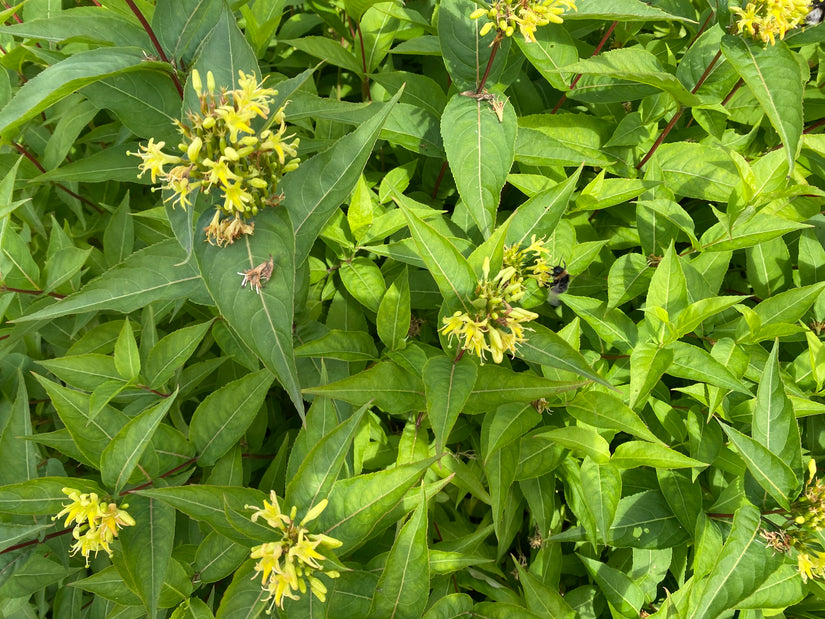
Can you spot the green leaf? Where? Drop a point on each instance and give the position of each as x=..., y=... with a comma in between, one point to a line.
x=209, y=504
x=42, y=495
x=343, y=345
x=686, y=167
x=696, y=313
x=747, y=232
x=224, y=415
x=776, y=477
x=404, y=584
x=65, y=77
x=647, y=364
x=668, y=286
x=781, y=589
x=393, y=320
x=506, y=424
x=775, y=78
x=244, y=597
x=146, y=550
x=603, y=410
x=121, y=456
x=742, y=566
x=465, y=53
x=611, y=324
x=636, y=65
x=622, y=593
x=640, y=453
x=447, y=386
x=119, y=236
x=127, y=357
x=153, y=274
x=364, y=506
x=643, y=520
x=182, y=26
x=774, y=423
x=171, y=352
x=322, y=183
x=450, y=607
x=553, y=49
x=480, y=149
x=682, y=495
x=541, y=213
x=319, y=469
x=328, y=50
x=263, y=321
x=496, y=385
x=452, y=272
x=602, y=484
x=364, y=281
x=694, y=363
x=620, y=10
x=583, y=441
x=388, y=386
x=788, y=306
x=545, y=347
x=85, y=372
x=542, y=599
x=91, y=436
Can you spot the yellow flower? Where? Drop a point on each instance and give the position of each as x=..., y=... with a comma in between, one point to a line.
x=236, y=120
x=287, y=565
x=96, y=525
x=235, y=198
x=154, y=159
x=219, y=172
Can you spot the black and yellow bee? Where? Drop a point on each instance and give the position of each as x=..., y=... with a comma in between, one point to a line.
x=816, y=14
x=561, y=281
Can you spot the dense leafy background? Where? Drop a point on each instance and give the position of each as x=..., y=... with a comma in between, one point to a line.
x=623, y=463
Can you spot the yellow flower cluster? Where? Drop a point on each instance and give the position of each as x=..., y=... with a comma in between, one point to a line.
x=288, y=565
x=495, y=325
x=220, y=148
x=97, y=523
x=527, y=15
x=767, y=19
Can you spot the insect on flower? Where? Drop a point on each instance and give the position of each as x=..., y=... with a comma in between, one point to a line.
x=816, y=14
x=561, y=282
x=258, y=276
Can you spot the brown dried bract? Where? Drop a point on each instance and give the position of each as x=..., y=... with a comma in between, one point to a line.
x=258, y=276
x=496, y=102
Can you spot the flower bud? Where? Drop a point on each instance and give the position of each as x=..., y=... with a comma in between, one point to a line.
x=210, y=82
x=231, y=154
x=197, y=85
x=194, y=149
x=208, y=122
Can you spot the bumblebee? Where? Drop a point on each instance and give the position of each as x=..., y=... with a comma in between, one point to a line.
x=561, y=280
x=816, y=14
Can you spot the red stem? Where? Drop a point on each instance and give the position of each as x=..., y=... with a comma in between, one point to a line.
x=5, y=288
x=679, y=113
x=579, y=76
x=496, y=45
x=23, y=151
x=439, y=179
x=156, y=43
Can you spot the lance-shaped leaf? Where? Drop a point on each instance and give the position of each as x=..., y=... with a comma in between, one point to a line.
x=545, y=347
x=450, y=270
x=447, y=385
x=362, y=507
x=541, y=214
x=319, y=470
x=636, y=65
x=321, y=184
x=404, y=585
x=480, y=149
x=606, y=411
x=622, y=593
x=91, y=436
x=742, y=566
x=647, y=364
x=209, y=504
x=389, y=386
x=65, y=77
x=774, y=422
x=121, y=457
x=602, y=484
x=498, y=385
x=263, y=321
x=620, y=10
x=224, y=416
x=153, y=274
x=774, y=76
x=776, y=477
x=393, y=319
x=146, y=549
x=42, y=495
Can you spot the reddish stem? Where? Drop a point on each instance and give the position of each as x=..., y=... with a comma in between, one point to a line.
x=496, y=45
x=23, y=151
x=5, y=288
x=365, y=85
x=439, y=179
x=579, y=76
x=679, y=112
x=32, y=542
x=166, y=474
x=161, y=54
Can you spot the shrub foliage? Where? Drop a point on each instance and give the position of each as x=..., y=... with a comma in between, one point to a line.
x=439, y=308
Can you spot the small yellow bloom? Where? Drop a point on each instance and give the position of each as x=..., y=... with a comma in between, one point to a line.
x=154, y=159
